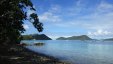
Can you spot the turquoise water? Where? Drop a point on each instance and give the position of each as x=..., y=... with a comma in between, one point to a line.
x=77, y=52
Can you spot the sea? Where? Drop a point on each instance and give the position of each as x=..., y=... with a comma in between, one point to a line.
x=76, y=51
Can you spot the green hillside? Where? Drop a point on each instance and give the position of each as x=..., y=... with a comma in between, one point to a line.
x=82, y=37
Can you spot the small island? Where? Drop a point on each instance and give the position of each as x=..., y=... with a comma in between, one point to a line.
x=36, y=37
x=108, y=39
x=82, y=37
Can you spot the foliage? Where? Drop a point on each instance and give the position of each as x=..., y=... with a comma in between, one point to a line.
x=41, y=37
x=12, y=16
x=36, y=36
x=27, y=37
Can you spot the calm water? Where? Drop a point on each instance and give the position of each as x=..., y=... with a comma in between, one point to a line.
x=77, y=52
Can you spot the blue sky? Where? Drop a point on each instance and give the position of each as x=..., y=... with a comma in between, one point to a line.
x=74, y=17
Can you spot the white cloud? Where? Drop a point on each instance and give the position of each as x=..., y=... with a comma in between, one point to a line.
x=26, y=26
x=55, y=9
x=97, y=23
x=50, y=15
x=104, y=7
x=102, y=18
x=99, y=32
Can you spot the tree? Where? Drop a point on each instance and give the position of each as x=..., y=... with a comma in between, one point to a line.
x=12, y=16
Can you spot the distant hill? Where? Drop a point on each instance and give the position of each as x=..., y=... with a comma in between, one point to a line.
x=82, y=37
x=109, y=39
x=36, y=36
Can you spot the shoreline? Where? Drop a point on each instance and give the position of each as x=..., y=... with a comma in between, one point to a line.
x=43, y=55
x=22, y=55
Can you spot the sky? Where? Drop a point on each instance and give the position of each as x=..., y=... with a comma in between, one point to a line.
x=73, y=17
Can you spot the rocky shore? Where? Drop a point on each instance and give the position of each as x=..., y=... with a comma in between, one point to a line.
x=21, y=55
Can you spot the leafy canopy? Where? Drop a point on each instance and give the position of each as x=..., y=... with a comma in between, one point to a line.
x=12, y=16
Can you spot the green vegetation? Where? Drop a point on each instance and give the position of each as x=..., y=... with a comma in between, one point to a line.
x=12, y=16
x=36, y=36
x=27, y=37
x=82, y=37
x=13, y=13
x=109, y=39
